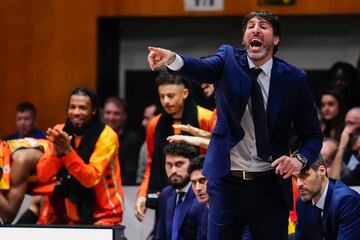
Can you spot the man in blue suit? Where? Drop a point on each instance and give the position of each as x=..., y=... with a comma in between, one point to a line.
x=258, y=97
x=327, y=209
x=179, y=210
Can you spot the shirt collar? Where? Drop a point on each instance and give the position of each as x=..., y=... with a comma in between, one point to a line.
x=266, y=67
x=185, y=189
x=321, y=202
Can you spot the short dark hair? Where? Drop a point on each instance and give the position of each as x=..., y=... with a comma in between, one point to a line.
x=119, y=102
x=349, y=72
x=167, y=78
x=339, y=98
x=180, y=149
x=26, y=106
x=83, y=91
x=317, y=163
x=267, y=16
x=196, y=163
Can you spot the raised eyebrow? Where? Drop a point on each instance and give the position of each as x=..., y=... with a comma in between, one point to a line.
x=250, y=23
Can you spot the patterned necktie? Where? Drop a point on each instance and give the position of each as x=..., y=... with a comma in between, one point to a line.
x=176, y=220
x=259, y=117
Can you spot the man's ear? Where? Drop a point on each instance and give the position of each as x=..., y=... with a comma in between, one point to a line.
x=185, y=93
x=322, y=171
x=276, y=40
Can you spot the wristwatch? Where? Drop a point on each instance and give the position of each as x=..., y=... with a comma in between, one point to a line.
x=303, y=161
x=171, y=59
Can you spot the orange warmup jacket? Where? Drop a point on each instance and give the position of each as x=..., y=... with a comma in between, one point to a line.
x=204, y=116
x=102, y=174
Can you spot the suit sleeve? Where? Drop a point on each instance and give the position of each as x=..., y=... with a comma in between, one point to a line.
x=207, y=70
x=299, y=231
x=349, y=218
x=307, y=124
x=106, y=150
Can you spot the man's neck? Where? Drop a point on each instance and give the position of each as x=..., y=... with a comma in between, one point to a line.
x=178, y=115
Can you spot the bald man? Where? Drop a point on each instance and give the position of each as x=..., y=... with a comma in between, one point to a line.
x=344, y=155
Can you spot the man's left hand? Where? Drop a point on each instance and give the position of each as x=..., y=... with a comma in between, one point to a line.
x=287, y=166
x=61, y=140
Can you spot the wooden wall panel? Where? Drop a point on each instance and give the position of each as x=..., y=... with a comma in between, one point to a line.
x=48, y=47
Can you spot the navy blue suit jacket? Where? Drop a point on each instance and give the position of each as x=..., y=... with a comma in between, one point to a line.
x=193, y=225
x=290, y=101
x=341, y=215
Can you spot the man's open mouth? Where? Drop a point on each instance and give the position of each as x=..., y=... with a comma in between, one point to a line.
x=255, y=43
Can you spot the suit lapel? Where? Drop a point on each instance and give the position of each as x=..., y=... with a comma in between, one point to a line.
x=275, y=93
x=170, y=209
x=326, y=206
x=246, y=81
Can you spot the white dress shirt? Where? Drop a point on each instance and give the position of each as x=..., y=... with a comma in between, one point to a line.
x=243, y=156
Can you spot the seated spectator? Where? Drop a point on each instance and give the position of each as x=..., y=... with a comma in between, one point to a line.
x=17, y=167
x=343, y=78
x=25, y=121
x=346, y=165
x=179, y=209
x=327, y=208
x=115, y=115
x=332, y=114
x=352, y=119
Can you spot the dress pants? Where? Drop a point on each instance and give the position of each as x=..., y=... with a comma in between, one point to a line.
x=258, y=203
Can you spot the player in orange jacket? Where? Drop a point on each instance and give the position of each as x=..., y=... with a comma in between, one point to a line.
x=86, y=165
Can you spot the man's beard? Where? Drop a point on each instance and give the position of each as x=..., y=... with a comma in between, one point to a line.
x=311, y=193
x=260, y=55
x=179, y=185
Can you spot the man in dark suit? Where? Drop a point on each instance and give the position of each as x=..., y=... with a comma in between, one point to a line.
x=327, y=208
x=179, y=209
x=258, y=97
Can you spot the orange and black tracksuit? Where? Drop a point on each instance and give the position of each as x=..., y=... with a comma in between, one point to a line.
x=102, y=174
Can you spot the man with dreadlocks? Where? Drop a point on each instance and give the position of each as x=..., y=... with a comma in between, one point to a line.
x=85, y=162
